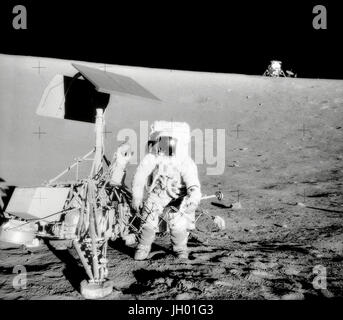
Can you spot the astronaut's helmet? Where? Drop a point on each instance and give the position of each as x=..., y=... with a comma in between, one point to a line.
x=170, y=139
x=166, y=146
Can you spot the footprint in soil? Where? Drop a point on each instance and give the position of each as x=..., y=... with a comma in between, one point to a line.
x=205, y=255
x=29, y=268
x=156, y=255
x=171, y=282
x=144, y=280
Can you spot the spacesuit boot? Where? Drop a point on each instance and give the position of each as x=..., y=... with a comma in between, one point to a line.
x=146, y=238
x=180, y=224
x=179, y=240
x=142, y=252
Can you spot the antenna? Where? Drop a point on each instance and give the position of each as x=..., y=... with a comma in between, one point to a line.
x=99, y=140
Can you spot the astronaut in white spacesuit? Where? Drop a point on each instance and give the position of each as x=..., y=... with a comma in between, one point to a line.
x=171, y=178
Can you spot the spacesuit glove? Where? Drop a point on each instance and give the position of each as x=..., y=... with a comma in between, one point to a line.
x=188, y=206
x=188, y=215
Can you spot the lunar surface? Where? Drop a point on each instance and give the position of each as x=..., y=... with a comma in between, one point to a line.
x=283, y=173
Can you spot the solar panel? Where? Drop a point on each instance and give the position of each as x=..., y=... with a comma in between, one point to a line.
x=113, y=83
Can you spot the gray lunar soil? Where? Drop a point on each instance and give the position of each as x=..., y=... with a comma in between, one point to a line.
x=272, y=246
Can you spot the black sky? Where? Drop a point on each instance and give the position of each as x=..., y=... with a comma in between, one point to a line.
x=230, y=36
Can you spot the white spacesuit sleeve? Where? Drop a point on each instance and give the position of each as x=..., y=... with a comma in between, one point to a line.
x=143, y=171
x=120, y=160
x=189, y=172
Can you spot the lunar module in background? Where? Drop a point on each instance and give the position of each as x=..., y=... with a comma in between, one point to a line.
x=83, y=214
x=274, y=70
